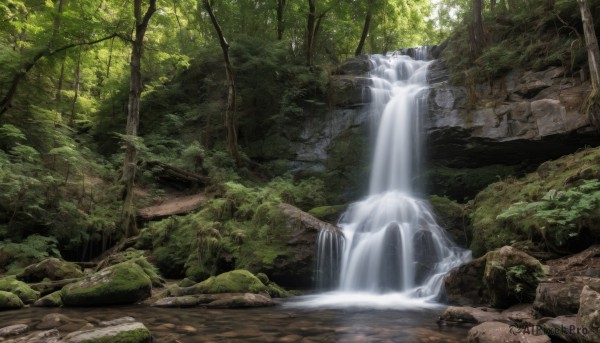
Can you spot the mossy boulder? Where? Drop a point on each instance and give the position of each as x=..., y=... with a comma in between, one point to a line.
x=134, y=256
x=123, y=283
x=511, y=276
x=50, y=268
x=9, y=301
x=50, y=300
x=123, y=333
x=19, y=288
x=235, y=281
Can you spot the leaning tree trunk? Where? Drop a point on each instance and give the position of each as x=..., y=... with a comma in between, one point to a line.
x=230, y=112
x=366, y=27
x=592, y=105
x=128, y=223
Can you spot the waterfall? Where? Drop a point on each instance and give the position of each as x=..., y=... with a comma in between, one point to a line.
x=392, y=242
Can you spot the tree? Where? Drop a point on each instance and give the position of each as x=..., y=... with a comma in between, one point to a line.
x=476, y=32
x=133, y=114
x=365, y=31
x=281, y=4
x=310, y=32
x=592, y=106
x=230, y=111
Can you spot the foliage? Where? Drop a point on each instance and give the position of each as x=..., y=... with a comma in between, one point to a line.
x=556, y=205
x=15, y=256
x=562, y=214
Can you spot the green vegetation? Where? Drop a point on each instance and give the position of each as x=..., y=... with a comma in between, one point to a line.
x=140, y=335
x=9, y=301
x=19, y=288
x=556, y=206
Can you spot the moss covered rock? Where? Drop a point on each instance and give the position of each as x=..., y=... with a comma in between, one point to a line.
x=9, y=301
x=558, y=205
x=123, y=333
x=50, y=268
x=511, y=276
x=123, y=283
x=329, y=214
x=19, y=288
x=452, y=216
x=235, y=281
x=50, y=300
x=134, y=256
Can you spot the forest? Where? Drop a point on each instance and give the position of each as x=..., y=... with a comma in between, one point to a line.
x=210, y=153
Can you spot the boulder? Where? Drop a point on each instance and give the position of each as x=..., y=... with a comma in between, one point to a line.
x=467, y=314
x=235, y=281
x=290, y=256
x=497, y=332
x=555, y=299
x=182, y=301
x=511, y=276
x=123, y=283
x=9, y=301
x=128, y=332
x=50, y=268
x=588, y=316
x=49, y=336
x=561, y=327
x=19, y=288
x=13, y=330
x=464, y=285
x=242, y=301
x=521, y=313
x=359, y=65
x=134, y=256
x=50, y=300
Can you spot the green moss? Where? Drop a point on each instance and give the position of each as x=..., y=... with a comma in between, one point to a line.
x=9, y=301
x=276, y=291
x=566, y=173
x=235, y=281
x=329, y=214
x=263, y=278
x=122, y=283
x=51, y=268
x=135, y=256
x=51, y=300
x=186, y=283
x=133, y=336
x=19, y=288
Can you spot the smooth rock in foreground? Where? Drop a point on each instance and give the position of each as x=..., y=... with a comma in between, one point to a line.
x=496, y=332
x=129, y=332
x=13, y=330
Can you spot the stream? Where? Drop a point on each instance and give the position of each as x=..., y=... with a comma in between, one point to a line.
x=275, y=324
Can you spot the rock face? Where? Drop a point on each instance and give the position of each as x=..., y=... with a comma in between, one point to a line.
x=588, y=317
x=464, y=285
x=519, y=109
x=123, y=283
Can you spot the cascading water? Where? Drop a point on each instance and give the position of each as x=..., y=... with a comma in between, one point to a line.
x=392, y=242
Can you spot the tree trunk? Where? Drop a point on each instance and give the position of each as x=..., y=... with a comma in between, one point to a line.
x=477, y=39
x=592, y=105
x=366, y=26
x=75, y=88
x=56, y=24
x=133, y=115
x=230, y=112
x=310, y=31
x=280, y=24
